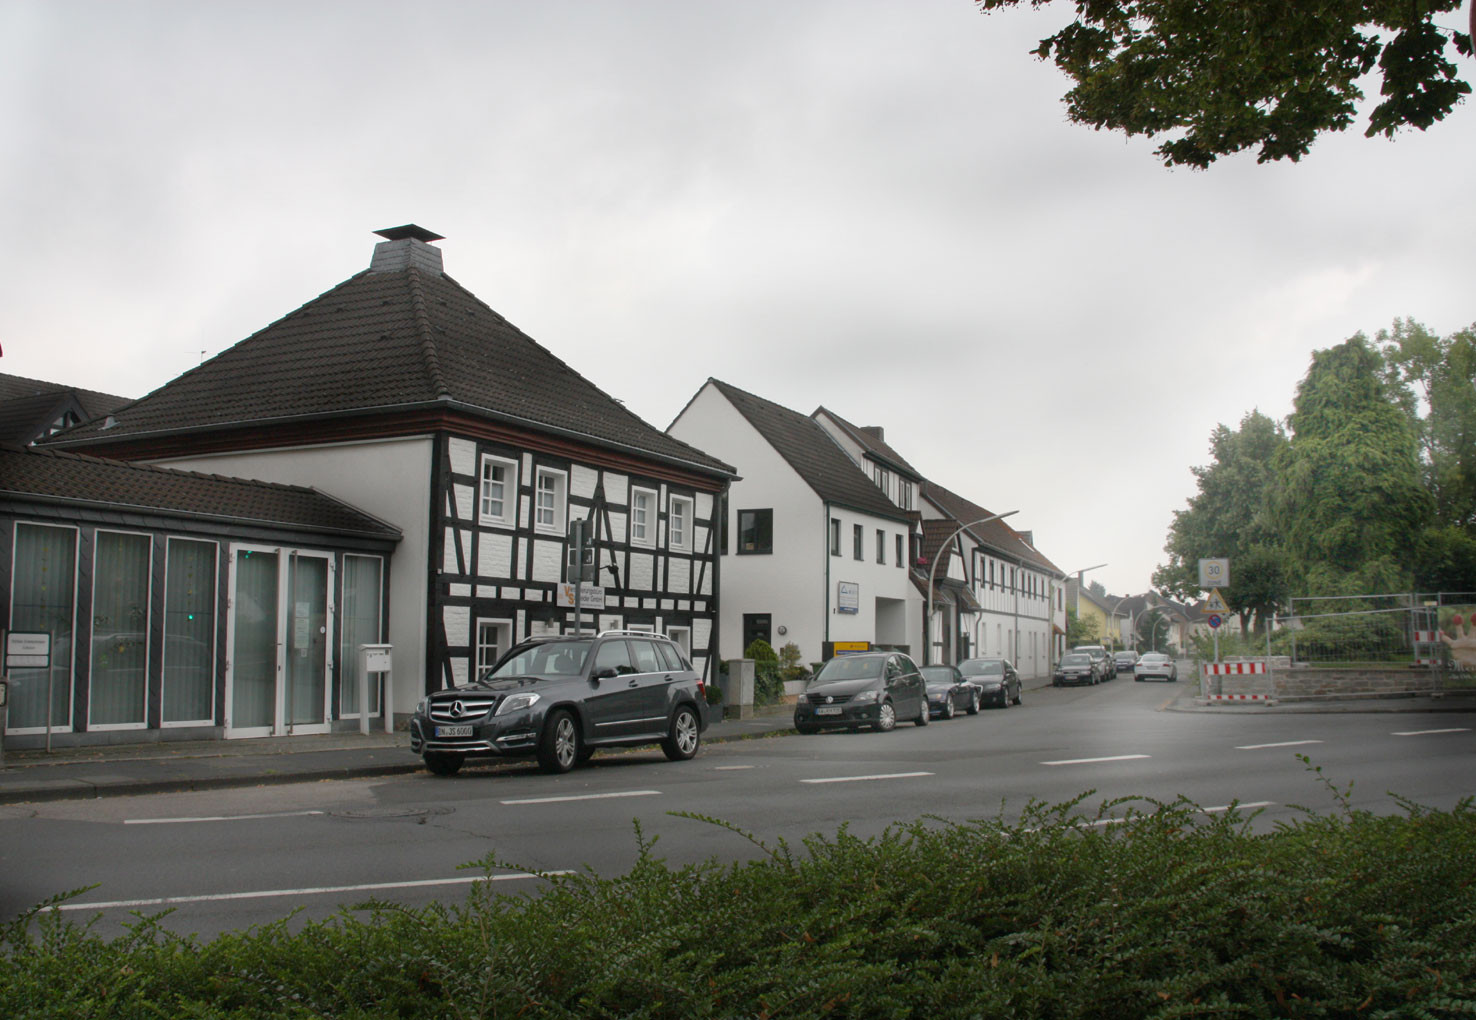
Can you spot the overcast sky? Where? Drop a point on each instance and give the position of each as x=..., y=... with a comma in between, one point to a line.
x=873, y=205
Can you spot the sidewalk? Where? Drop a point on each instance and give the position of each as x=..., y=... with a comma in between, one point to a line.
x=81, y=773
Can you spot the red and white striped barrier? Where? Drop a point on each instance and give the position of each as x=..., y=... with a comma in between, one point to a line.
x=1240, y=697
x=1233, y=668
x=1427, y=637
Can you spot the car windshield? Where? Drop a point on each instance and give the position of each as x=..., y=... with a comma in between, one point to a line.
x=1076, y=659
x=938, y=674
x=1155, y=657
x=544, y=659
x=849, y=668
x=982, y=667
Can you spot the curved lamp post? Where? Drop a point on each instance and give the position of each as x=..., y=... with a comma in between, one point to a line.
x=933, y=572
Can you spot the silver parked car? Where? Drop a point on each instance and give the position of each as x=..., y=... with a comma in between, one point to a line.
x=1156, y=665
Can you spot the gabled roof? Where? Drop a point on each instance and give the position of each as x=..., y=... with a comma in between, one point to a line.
x=28, y=407
x=870, y=440
x=813, y=454
x=397, y=338
x=55, y=477
x=997, y=535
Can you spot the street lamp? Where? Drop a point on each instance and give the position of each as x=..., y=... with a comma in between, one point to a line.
x=933, y=572
x=1078, y=574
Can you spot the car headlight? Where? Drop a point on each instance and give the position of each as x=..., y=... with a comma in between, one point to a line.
x=864, y=698
x=517, y=702
x=423, y=707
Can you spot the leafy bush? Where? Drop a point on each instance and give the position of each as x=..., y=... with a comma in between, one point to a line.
x=1172, y=913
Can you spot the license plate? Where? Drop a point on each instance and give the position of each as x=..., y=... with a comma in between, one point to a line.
x=453, y=731
x=828, y=710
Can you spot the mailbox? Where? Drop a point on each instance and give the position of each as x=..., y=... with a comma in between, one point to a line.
x=376, y=659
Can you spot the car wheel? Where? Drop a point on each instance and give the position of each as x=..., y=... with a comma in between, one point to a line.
x=1019, y=695
x=558, y=748
x=948, y=709
x=444, y=763
x=685, y=737
x=925, y=714
x=974, y=702
x=886, y=717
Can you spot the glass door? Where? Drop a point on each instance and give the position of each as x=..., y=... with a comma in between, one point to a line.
x=279, y=622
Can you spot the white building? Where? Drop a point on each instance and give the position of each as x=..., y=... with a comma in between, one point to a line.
x=815, y=553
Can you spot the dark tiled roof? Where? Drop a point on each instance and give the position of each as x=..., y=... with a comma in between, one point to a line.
x=29, y=406
x=996, y=534
x=873, y=444
x=812, y=453
x=115, y=485
x=386, y=341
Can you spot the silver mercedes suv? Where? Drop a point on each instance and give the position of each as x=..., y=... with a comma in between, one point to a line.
x=560, y=698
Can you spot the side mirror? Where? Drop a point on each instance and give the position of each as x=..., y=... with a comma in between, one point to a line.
x=605, y=674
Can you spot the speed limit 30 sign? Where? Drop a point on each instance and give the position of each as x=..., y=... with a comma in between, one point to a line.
x=1214, y=573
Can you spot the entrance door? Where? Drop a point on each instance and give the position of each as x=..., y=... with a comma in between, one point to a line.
x=279, y=622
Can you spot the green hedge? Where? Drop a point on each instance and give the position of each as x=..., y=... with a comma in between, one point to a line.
x=1174, y=913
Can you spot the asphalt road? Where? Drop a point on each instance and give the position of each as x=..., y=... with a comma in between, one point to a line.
x=229, y=859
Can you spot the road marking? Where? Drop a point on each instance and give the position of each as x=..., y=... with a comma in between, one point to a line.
x=1284, y=743
x=862, y=779
x=1238, y=807
x=1422, y=733
x=731, y=768
x=1093, y=761
x=165, y=901
x=218, y=818
x=584, y=796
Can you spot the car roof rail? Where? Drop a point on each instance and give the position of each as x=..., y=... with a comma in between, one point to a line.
x=631, y=633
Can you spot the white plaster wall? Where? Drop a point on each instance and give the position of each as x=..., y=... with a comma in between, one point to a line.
x=789, y=583
x=388, y=478
x=877, y=580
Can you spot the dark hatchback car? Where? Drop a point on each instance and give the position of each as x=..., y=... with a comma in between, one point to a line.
x=866, y=689
x=1074, y=668
x=949, y=693
x=560, y=698
x=1125, y=661
x=996, y=678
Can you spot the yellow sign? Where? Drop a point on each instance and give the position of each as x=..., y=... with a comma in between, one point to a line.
x=842, y=647
x=1215, y=604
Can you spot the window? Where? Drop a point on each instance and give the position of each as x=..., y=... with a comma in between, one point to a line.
x=856, y=535
x=499, y=492
x=43, y=579
x=883, y=479
x=120, y=630
x=834, y=537
x=682, y=637
x=642, y=517
x=647, y=658
x=904, y=495
x=755, y=532
x=881, y=546
x=899, y=550
x=360, y=616
x=189, y=632
x=679, y=524
x=550, y=506
x=494, y=638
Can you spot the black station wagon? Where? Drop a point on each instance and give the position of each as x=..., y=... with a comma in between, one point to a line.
x=560, y=698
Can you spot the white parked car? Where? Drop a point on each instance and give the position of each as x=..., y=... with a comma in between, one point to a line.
x=1156, y=666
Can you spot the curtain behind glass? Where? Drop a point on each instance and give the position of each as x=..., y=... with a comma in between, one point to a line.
x=189, y=632
x=120, y=629
x=360, y=618
x=45, y=575
x=254, y=656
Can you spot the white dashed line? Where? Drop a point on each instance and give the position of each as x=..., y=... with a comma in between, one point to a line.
x=1094, y=761
x=165, y=901
x=584, y=796
x=862, y=779
x=1423, y=733
x=1284, y=743
x=218, y=818
x=730, y=768
x=1238, y=807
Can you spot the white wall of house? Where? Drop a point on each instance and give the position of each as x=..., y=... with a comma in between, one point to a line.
x=390, y=479
x=798, y=583
x=884, y=594
x=787, y=583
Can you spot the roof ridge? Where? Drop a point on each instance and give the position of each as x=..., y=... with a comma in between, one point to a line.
x=427, y=334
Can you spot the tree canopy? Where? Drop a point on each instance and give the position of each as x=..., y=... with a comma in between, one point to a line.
x=1369, y=488
x=1217, y=78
